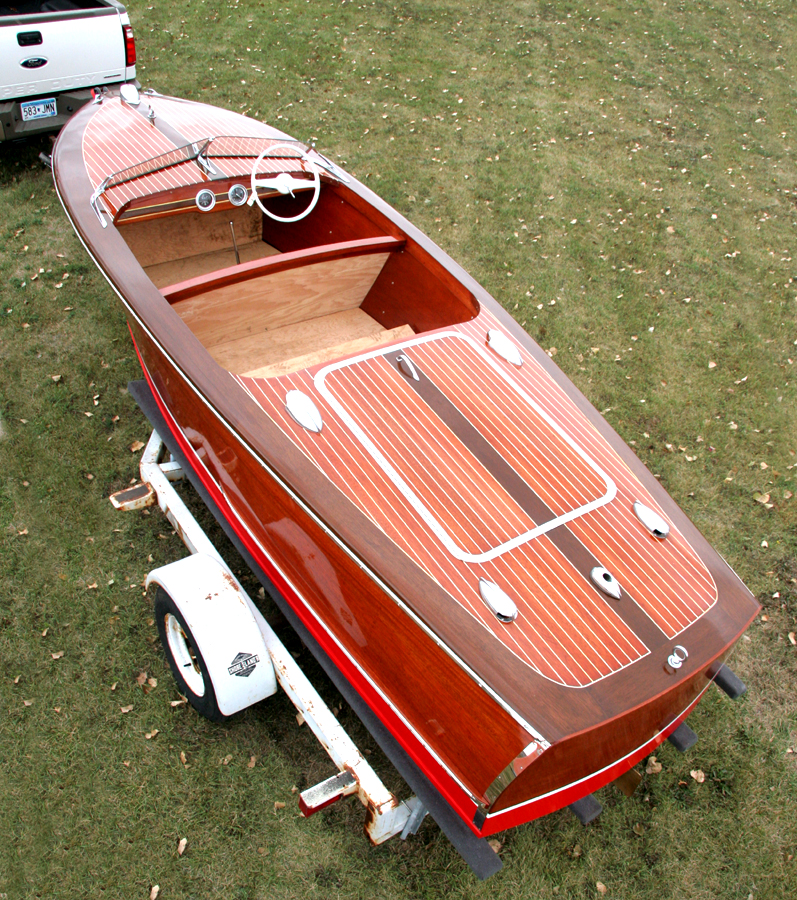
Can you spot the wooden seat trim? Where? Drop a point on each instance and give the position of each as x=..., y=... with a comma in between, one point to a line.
x=278, y=263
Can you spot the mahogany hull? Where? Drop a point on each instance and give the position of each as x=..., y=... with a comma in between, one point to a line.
x=508, y=725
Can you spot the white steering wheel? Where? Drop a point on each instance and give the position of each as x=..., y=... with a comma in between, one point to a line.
x=285, y=184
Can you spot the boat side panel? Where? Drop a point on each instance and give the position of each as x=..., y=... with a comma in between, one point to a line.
x=447, y=709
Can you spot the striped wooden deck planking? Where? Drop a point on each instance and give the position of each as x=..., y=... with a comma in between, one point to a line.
x=566, y=630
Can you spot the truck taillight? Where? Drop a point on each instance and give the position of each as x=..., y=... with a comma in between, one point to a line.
x=130, y=46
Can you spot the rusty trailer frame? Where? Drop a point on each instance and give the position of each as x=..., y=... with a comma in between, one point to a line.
x=386, y=816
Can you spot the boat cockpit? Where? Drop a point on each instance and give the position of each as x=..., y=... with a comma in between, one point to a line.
x=272, y=260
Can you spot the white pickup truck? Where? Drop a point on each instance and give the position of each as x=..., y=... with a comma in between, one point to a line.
x=54, y=54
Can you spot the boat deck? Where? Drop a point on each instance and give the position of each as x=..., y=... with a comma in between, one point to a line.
x=552, y=501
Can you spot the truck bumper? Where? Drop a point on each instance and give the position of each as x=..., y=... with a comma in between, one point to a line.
x=12, y=128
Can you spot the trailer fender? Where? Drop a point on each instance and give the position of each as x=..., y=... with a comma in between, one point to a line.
x=219, y=623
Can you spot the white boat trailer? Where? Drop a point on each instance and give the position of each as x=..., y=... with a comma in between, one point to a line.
x=242, y=657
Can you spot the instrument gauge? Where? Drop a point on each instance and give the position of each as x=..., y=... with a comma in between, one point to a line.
x=205, y=200
x=237, y=195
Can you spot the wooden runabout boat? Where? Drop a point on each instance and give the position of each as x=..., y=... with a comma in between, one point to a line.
x=505, y=585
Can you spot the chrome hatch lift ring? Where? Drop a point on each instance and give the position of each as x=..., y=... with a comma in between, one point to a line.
x=678, y=656
x=285, y=184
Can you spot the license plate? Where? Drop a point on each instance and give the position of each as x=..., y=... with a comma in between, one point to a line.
x=38, y=109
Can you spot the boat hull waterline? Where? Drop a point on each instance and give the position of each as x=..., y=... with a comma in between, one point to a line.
x=502, y=581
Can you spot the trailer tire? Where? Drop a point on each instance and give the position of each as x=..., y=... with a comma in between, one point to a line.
x=185, y=659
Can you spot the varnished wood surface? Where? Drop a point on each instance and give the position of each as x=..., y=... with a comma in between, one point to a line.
x=557, y=711
x=189, y=267
x=172, y=238
x=278, y=299
x=279, y=351
x=280, y=263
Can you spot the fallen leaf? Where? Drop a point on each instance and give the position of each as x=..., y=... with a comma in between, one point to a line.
x=58, y=655
x=226, y=760
x=23, y=532
x=251, y=763
x=712, y=365
x=136, y=446
x=57, y=378
x=576, y=851
x=126, y=709
x=181, y=702
x=183, y=758
x=793, y=638
x=653, y=767
x=141, y=678
x=153, y=894
x=44, y=633
x=761, y=498
x=699, y=775
x=16, y=680
x=152, y=682
x=278, y=804
x=151, y=734
x=113, y=686
x=27, y=702
x=495, y=845
x=181, y=846
x=639, y=829
x=600, y=887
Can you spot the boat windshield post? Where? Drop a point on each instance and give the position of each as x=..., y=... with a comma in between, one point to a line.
x=94, y=202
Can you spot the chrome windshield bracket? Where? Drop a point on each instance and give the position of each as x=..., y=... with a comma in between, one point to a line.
x=330, y=167
x=95, y=203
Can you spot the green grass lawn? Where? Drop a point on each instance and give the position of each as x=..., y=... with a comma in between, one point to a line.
x=622, y=177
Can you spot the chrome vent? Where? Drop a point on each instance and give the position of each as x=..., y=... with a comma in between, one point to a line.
x=304, y=411
x=499, y=602
x=651, y=520
x=606, y=582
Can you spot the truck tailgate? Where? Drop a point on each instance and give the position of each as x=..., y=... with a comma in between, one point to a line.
x=78, y=51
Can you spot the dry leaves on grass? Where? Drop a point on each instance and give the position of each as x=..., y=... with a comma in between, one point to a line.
x=181, y=846
x=653, y=767
x=136, y=446
x=58, y=655
x=278, y=804
x=699, y=775
x=601, y=888
x=153, y=894
x=495, y=844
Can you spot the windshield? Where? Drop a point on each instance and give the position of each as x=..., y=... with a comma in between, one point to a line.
x=226, y=147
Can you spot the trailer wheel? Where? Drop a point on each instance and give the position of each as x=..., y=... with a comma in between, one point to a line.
x=185, y=660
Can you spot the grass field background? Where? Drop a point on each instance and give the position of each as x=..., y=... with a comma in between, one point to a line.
x=622, y=178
